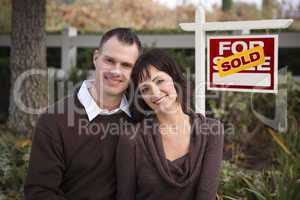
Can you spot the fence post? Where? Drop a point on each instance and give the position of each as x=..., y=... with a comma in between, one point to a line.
x=68, y=50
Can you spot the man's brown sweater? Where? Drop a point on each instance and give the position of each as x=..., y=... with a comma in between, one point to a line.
x=72, y=158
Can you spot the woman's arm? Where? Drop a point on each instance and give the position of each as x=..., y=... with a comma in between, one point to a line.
x=208, y=182
x=126, y=170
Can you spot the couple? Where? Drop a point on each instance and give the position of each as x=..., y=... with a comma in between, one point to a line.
x=171, y=153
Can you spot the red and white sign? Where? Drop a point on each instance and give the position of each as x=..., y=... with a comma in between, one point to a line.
x=229, y=63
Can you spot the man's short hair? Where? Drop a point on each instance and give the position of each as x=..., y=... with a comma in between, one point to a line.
x=125, y=35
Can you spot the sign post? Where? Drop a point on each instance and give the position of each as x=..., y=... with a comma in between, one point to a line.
x=200, y=26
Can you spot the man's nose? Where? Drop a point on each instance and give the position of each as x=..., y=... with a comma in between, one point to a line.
x=116, y=69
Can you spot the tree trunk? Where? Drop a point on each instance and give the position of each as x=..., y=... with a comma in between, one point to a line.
x=268, y=9
x=28, y=52
x=226, y=5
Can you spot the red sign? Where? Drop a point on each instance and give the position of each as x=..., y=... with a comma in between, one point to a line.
x=243, y=63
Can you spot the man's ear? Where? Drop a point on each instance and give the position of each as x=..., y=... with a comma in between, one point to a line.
x=96, y=54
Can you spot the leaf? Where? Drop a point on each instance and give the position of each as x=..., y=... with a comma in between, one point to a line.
x=280, y=142
x=230, y=198
x=258, y=195
x=22, y=143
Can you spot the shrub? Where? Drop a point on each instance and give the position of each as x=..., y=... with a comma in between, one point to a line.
x=14, y=158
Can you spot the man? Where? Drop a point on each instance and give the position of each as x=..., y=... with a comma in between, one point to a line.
x=74, y=143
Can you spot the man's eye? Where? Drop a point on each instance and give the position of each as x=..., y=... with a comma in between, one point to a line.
x=126, y=65
x=108, y=60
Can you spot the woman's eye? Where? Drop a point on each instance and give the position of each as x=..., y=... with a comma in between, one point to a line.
x=144, y=90
x=160, y=81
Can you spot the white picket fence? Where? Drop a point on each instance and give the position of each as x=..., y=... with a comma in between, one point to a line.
x=69, y=40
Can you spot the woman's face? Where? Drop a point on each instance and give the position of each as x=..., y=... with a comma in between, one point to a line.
x=158, y=91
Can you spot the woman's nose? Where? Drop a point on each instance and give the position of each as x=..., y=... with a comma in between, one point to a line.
x=155, y=91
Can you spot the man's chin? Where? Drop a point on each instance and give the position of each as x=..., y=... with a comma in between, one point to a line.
x=114, y=92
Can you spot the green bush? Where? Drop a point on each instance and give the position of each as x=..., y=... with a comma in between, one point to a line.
x=14, y=158
x=280, y=179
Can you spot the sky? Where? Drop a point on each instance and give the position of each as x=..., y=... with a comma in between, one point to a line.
x=208, y=3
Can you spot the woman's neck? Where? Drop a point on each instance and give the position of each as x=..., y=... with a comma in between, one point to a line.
x=175, y=117
x=174, y=124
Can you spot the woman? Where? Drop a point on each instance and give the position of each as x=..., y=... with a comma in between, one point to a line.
x=173, y=153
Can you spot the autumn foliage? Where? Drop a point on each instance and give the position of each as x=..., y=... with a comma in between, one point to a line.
x=99, y=15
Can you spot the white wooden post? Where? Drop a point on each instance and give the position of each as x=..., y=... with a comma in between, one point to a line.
x=200, y=27
x=200, y=61
x=68, y=50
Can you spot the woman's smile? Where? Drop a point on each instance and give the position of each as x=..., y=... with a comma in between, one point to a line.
x=160, y=100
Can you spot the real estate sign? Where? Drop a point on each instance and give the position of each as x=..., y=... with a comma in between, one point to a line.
x=243, y=63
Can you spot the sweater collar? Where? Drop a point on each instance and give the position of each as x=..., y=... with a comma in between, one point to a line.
x=91, y=107
x=193, y=162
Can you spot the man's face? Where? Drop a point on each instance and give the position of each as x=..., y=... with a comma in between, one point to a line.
x=114, y=63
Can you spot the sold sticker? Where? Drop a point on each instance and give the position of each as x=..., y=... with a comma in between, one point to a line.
x=241, y=61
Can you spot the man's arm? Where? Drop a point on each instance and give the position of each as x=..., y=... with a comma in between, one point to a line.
x=126, y=171
x=46, y=163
